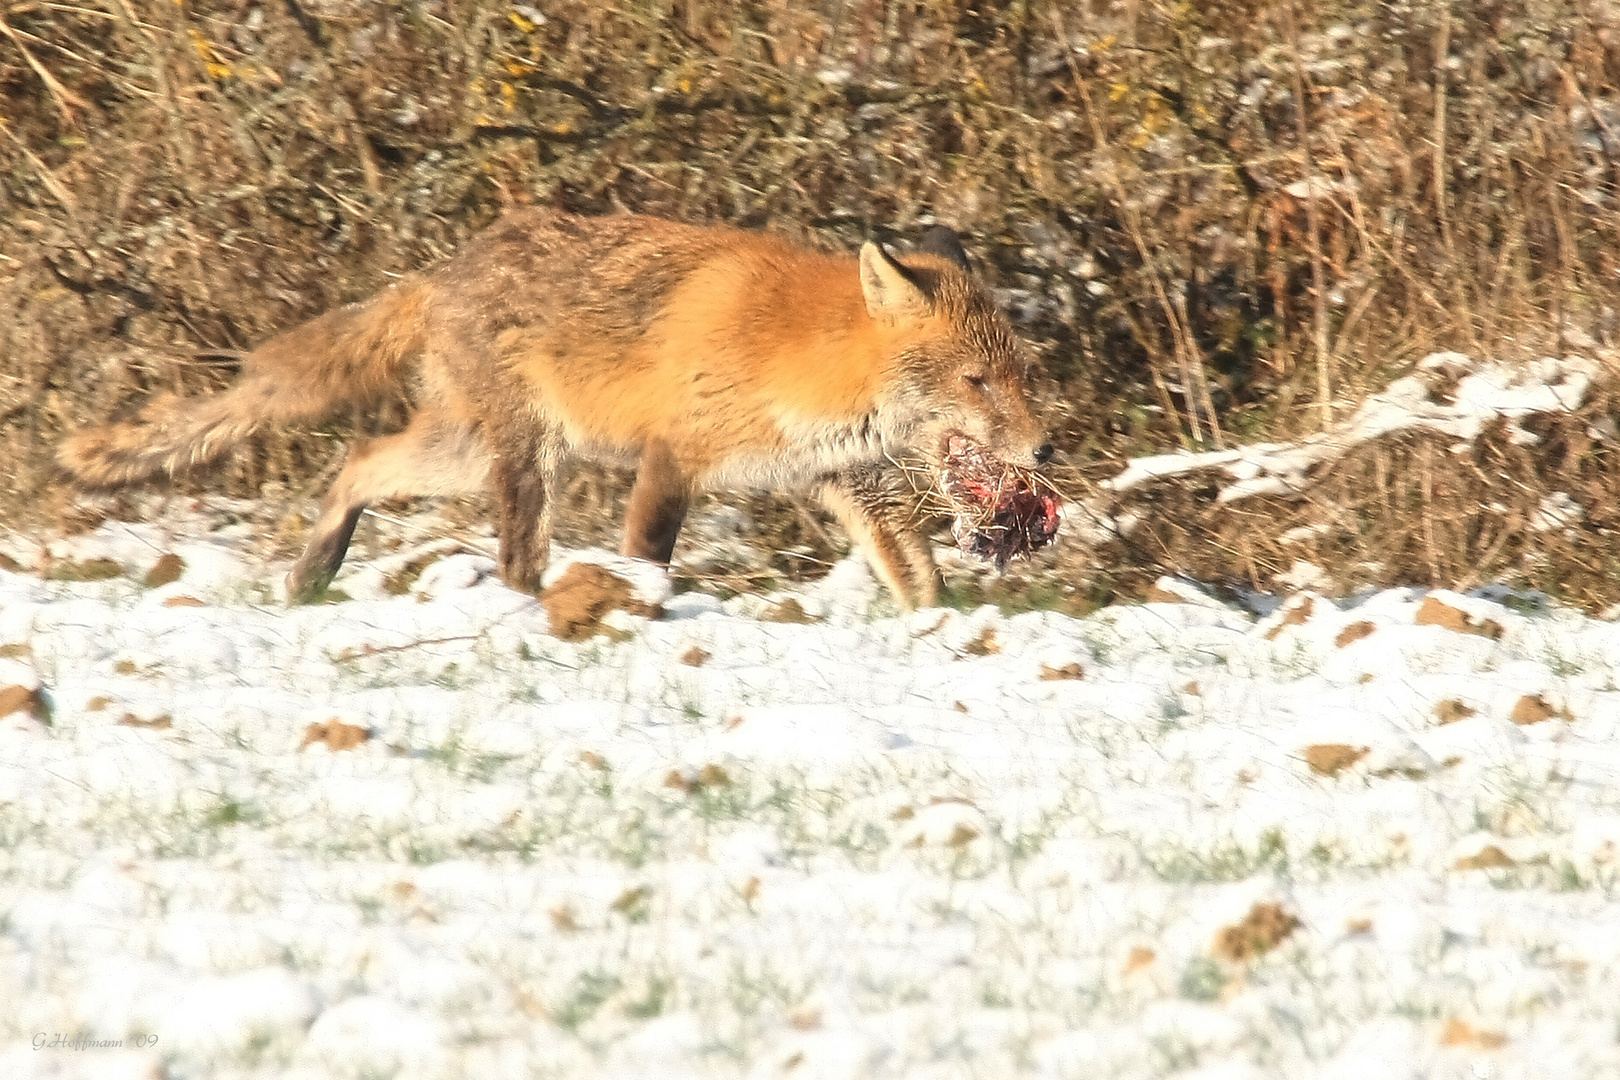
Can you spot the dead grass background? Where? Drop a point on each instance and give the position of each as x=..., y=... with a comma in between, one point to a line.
x=1215, y=222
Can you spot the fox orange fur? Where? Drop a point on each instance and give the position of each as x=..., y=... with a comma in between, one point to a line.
x=704, y=356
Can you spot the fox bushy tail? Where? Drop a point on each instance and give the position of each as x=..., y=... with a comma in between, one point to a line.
x=347, y=355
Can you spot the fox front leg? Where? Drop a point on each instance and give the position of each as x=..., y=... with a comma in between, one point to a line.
x=881, y=520
x=524, y=476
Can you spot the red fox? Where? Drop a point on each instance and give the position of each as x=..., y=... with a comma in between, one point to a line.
x=703, y=356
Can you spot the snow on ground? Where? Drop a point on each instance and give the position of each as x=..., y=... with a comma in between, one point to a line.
x=1344, y=840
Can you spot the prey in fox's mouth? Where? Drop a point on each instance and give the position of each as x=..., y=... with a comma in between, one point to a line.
x=1000, y=511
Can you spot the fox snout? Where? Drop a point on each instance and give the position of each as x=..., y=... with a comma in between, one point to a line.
x=1020, y=441
x=1032, y=456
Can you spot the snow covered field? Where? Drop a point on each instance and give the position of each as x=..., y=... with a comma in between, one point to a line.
x=418, y=836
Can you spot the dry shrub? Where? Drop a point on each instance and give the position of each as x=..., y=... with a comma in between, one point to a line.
x=1194, y=257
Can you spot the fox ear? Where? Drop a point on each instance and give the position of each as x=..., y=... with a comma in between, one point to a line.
x=888, y=286
x=942, y=240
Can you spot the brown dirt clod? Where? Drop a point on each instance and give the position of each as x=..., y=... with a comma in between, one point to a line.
x=1329, y=759
x=14, y=699
x=789, y=611
x=983, y=644
x=632, y=900
x=578, y=601
x=1435, y=612
x=335, y=735
x=707, y=778
x=1489, y=857
x=1451, y=710
x=1297, y=615
x=183, y=601
x=1354, y=633
x=1532, y=709
x=156, y=723
x=695, y=657
x=165, y=571
x=1461, y=1033
x=1071, y=670
x=1265, y=926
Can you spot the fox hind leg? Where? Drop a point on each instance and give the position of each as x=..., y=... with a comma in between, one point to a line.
x=430, y=457
x=658, y=504
x=876, y=513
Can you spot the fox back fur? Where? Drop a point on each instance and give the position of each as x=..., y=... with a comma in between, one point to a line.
x=702, y=356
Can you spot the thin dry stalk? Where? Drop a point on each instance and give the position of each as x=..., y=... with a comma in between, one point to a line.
x=1324, y=360
x=1442, y=56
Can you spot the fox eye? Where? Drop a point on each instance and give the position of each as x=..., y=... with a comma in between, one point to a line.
x=975, y=381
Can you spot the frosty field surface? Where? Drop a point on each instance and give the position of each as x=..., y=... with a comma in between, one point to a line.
x=1339, y=840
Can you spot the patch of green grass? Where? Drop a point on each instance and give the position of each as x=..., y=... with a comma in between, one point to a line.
x=331, y=594
x=591, y=990
x=1203, y=979
x=1014, y=596
x=227, y=812
x=84, y=570
x=652, y=1001
x=995, y=997
x=1230, y=861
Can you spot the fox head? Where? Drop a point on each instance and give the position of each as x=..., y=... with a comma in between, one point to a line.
x=960, y=370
